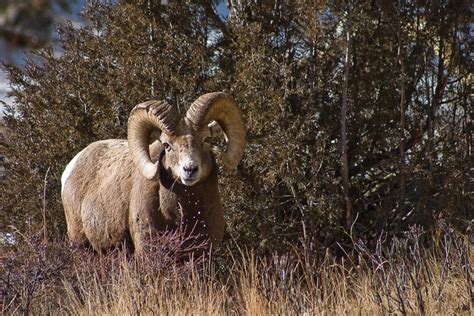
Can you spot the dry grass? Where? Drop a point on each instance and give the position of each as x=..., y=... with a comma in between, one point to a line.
x=395, y=277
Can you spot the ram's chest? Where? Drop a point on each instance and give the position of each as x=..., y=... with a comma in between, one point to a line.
x=183, y=206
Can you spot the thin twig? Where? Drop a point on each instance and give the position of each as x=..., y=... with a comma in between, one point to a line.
x=45, y=184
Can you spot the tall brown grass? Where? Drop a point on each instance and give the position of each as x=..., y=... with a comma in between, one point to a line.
x=397, y=276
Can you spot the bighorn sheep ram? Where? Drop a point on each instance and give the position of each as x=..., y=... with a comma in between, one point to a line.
x=115, y=189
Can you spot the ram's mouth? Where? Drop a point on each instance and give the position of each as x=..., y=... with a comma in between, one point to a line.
x=189, y=181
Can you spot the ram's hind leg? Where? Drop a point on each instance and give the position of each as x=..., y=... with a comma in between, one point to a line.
x=75, y=229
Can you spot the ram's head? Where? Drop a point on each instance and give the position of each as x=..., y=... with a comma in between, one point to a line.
x=187, y=155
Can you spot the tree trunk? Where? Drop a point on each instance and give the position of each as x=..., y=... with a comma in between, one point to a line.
x=344, y=160
x=401, y=56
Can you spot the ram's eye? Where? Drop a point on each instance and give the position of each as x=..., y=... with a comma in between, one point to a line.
x=167, y=146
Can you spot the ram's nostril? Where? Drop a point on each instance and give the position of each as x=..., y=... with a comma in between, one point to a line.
x=190, y=169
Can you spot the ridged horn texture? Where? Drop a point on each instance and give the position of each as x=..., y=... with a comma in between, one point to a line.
x=219, y=107
x=145, y=117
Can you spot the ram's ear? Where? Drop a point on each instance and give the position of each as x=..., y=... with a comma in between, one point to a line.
x=215, y=130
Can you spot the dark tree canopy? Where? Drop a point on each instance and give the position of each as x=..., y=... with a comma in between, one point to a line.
x=408, y=157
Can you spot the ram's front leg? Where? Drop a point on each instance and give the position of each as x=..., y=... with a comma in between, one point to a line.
x=143, y=219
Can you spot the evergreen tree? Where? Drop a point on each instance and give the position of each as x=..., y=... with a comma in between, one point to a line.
x=408, y=116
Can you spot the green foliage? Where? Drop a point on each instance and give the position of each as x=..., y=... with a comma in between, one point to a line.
x=284, y=65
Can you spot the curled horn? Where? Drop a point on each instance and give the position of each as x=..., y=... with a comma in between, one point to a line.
x=145, y=117
x=219, y=107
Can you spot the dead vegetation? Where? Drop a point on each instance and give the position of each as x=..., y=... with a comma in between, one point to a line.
x=393, y=276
